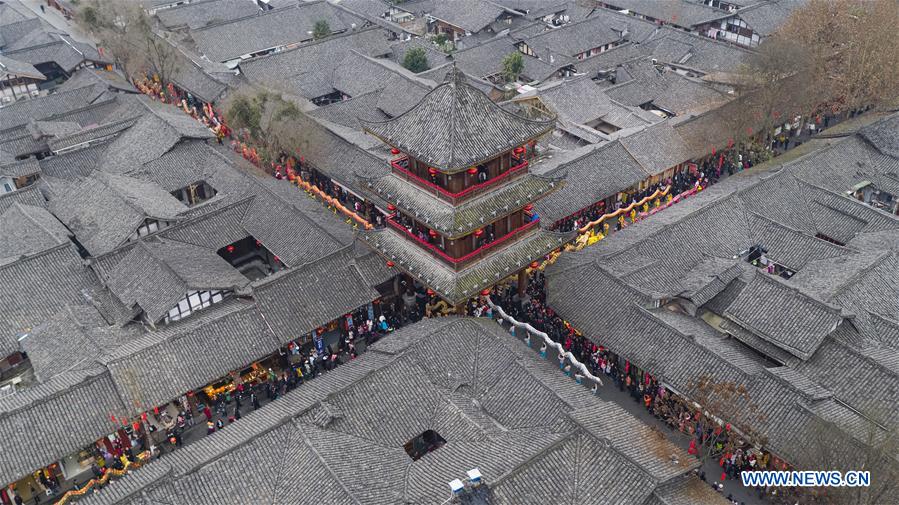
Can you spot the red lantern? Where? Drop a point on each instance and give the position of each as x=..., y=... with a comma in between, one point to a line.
x=519, y=150
x=473, y=170
x=277, y=259
x=390, y=264
x=430, y=292
x=230, y=248
x=432, y=170
x=394, y=151
x=112, y=418
x=258, y=244
x=432, y=233
x=156, y=410
x=535, y=264
x=478, y=232
x=529, y=207
x=391, y=207
x=143, y=416
x=485, y=292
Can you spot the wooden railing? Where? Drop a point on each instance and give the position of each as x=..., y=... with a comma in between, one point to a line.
x=447, y=195
x=473, y=255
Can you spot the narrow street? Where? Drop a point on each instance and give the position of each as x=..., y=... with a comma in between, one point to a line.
x=57, y=20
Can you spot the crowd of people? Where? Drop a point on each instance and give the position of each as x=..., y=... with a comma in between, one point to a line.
x=708, y=438
x=694, y=176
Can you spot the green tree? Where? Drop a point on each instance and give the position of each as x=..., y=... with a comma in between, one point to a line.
x=513, y=65
x=416, y=60
x=321, y=29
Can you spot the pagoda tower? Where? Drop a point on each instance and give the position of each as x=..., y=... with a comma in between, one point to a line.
x=459, y=193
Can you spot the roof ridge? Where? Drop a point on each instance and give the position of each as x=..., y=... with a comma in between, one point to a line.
x=31, y=218
x=833, y=309
x=26, y=257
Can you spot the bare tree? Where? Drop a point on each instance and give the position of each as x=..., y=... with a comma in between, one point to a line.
x=124, y=29
x=727, y=415
x=872, y=448
x=850, y=51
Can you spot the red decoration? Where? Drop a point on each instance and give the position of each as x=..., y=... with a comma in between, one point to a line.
x=723, y=476
x=535, y=264
x=394, y=151
x=143, y=416
x=473, y=170
x=230, y=248
x=430, y=292
x=112, y=418
x=432, y=233
x=156, y=410
x=432, y=170
x=258, y=244
x=727, y=426
x=390, y=264
x=277, y=259
x=485, y=292
x=291, y=177
x=478, y=232
x=391, y=207
x=518, y=150
x=529, y=207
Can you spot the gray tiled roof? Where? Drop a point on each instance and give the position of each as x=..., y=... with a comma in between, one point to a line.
x=26, y=229
x=63, y=51
x=458, y=286
x=342, y=434
x=55, y=419
x=158, y=130
x=90, y=76
x=276, y=28
x=456, y=126
x=11, y=69
x=485, y=60
x=800, y=322
x=582, y=101
x=71, y=339
x=657, y=148
x=298, y=300
x=596, y=175
x=34, y=288
x=766, y=17
x=21, y=112
x=678, y=47
x=575, y=38
x=199, y=14
x=161, y=365
x=678, y=12
x=458, y=220
x=308, y=70
x=668, y=90
x=157, y=273
x=104, y=210
x=29, y=195
x=470, y=15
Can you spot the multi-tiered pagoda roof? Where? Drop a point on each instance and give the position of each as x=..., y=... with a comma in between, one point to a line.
x=458, y=191
x=456, y=126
